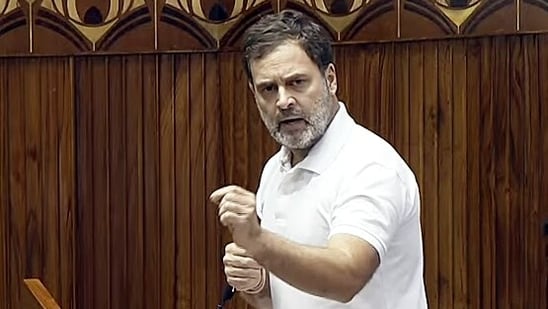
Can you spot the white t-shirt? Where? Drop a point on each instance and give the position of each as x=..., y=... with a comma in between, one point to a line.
x=352, y=181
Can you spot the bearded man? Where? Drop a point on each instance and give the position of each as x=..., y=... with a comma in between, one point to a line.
x=335, y=222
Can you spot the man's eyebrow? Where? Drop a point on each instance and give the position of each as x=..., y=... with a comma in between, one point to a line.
x=294, y=76
x=263, y=83
x=291, y=76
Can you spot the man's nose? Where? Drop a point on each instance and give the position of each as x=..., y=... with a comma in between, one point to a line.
x=285, y=100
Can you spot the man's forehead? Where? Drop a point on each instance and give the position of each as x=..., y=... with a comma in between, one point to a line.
x=283, y=74
x=282, y=69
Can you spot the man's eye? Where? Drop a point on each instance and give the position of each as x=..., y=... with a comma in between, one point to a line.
x=297, y=82
x=268, y=88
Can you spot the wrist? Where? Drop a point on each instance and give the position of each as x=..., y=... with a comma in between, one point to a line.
x=258, y=249
x=260, y=285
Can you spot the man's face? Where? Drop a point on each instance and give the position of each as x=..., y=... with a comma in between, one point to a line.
x=296, y=101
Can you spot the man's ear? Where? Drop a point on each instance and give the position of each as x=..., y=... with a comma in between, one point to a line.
x=331, y=77
x=251, y=86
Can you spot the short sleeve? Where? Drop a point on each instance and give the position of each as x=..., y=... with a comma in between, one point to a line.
x=266, y=175
x=369, y=206
x=259, y=204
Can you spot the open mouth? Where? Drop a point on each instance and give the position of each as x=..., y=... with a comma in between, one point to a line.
x=294, y=123
x=291, y=120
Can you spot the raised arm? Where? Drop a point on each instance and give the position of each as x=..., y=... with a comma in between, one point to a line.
x=366, y=216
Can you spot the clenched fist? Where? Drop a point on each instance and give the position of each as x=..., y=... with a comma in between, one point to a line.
x=237, y=212
x=242, y=272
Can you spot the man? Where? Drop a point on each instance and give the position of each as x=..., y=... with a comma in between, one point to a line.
x=335, y=222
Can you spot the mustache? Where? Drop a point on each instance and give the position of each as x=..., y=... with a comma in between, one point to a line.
x=290, y=115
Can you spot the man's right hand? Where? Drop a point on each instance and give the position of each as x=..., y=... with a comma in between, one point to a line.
x=242, y=272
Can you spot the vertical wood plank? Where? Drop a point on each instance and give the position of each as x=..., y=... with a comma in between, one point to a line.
x=416, y=117
x=133, y=71
x=431, y=181
x=4, y=187
x=151, y=179
x=183, y=231
x=242, y=142
x=67, y=187
x=386, y=95
x=343, y=69
x=355, y=62
x=543, y=117
x=402, y=116
x=499, y=64
x=226, y=71
x=517, y=109
x=473, y=124
x=487, y=170
x=445, y=173
x=50, y=82
x=416, y=152
x=532, y=275
x=198, y=194
x=101, y=183
x=85, y=266
x=167, y=217
x=32, y=119
x=372, y=95
x=460, y=208
x=117, y=182
x=17, y=184
x=213, y=170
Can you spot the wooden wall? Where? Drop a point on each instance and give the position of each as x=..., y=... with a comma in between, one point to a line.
x=37, y=168
x=107, y=158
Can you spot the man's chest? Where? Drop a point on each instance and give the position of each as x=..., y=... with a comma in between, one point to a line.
x=298, y=206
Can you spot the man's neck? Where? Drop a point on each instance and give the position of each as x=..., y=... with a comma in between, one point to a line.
x=298, y=155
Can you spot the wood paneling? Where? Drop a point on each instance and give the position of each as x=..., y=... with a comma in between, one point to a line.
x=38, y=189
x=149, y=155
x=478, y=111
x=106, y=163
x=4, y=190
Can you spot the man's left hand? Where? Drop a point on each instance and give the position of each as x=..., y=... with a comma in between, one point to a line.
x=237, y=212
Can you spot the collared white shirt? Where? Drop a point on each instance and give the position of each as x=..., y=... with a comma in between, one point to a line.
x=354, y=182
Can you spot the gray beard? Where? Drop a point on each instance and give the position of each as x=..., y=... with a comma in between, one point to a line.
x=316, y=125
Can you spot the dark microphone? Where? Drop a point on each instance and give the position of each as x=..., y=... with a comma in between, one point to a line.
x=228, y=293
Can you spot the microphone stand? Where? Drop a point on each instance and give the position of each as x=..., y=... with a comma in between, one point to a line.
x=228, y=293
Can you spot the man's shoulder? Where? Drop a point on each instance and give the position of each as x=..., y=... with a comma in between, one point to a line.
x=273, y=161
x=368, y=149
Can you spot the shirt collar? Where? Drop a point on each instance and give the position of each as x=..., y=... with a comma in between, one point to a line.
x=327, y=147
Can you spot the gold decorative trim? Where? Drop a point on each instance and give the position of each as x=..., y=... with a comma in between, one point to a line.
x=217, y=30
x=460, y=15
x=6, y=6
x=399, y=19
x=518, y=15
x=337, y=22
x=31, y=28
x=155, y=13
x=68, y=10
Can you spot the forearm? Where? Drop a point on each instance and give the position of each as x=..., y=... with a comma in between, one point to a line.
x=323, y=272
